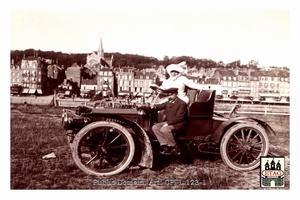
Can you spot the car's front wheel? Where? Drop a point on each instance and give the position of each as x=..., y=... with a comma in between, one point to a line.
x=103, y=148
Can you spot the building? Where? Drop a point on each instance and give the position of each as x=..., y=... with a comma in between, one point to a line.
x=228, y=81
x=36, y=75
x=142, y=82
x=88, y=85
x=15, y=74
x=106, y=82
x=284, y=83
x=126, y=80
x=73, y=74
x=32, y=74
x=253, y=83
x=102, y=69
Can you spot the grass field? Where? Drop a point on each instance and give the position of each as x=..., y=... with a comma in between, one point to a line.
x=37, y=131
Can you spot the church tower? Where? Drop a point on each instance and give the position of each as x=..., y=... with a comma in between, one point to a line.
x=100, y=51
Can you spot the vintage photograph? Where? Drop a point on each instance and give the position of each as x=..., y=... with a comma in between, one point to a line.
x=150, y=99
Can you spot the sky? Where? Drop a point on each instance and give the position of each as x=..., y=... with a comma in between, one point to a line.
x=221, y=35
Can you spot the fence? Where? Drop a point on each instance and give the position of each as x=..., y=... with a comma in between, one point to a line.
x=254, y=109
x=222, y=108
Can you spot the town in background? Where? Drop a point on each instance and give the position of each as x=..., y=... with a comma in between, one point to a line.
x=33, y=75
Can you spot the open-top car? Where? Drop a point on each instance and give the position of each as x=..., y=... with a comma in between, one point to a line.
x=106, y=141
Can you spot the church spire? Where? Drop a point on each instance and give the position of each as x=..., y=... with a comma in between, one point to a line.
x=101, y=50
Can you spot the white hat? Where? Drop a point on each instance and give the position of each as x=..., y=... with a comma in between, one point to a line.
x=175, y=67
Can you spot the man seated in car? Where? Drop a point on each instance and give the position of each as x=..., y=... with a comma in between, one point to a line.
x=176, y=120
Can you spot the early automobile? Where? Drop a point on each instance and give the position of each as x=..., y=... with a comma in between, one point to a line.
x=105, y=142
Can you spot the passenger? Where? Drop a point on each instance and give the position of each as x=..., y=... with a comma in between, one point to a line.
x=176, y=120
x=178, y=80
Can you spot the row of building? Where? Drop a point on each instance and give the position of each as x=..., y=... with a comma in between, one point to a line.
x=32, y=74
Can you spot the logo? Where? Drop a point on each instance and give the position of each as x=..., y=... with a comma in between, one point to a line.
x=272, y=171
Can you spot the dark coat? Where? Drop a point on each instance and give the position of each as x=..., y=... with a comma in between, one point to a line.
x=176, y=113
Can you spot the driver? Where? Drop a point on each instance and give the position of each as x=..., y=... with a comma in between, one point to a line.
x=176, y=120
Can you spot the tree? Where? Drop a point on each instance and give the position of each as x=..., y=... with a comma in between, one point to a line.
x=253, y=64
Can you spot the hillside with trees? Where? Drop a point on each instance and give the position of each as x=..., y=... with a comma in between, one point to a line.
x=132, y=60
x=119, y=59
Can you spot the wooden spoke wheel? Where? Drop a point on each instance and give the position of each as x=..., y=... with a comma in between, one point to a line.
x=103, y=148
x=243, y=145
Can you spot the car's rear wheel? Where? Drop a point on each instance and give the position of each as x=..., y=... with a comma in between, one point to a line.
x=243, y=145
x=103, y=148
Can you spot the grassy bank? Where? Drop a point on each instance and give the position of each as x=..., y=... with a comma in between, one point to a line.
x=37, y=131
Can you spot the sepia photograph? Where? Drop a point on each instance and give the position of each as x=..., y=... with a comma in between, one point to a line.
x=134, y=96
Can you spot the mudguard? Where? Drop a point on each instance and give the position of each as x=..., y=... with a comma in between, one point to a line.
x=147, y=153
x=217, y=136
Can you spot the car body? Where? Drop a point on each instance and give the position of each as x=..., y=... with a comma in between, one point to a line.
x=219, y=96
x=105, y=142
x=233, y=97
x=262, y=98
x=249, y=98
x=277, y=98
